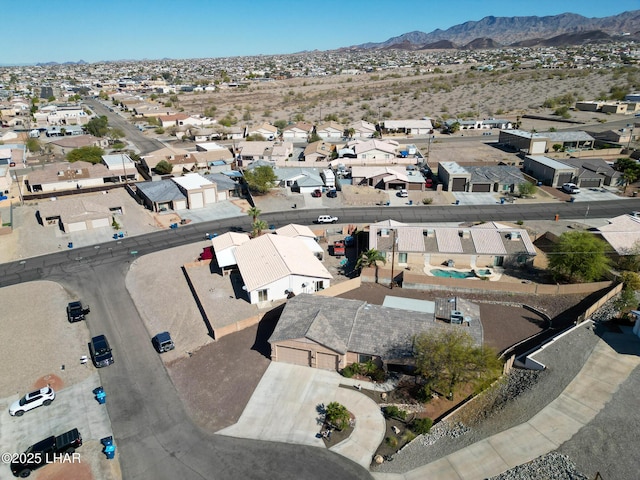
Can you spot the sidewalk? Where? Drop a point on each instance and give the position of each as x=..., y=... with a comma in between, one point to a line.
x=611, y=362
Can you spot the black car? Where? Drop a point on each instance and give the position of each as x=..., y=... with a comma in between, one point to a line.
x=100, y=351
x=76, y=311
x=52, y=449
x=332, y=193
x=162, y=342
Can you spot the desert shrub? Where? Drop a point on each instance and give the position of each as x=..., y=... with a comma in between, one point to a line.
x=421, y=426
x=408, y=436
x=392, y=411
x=392, y=441
x=427, y=201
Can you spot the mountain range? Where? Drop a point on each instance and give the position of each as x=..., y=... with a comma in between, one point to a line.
x=494, y=32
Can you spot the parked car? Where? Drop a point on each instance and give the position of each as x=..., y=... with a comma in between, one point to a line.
x=162, y=342
x=332, y=193
x=403, y=193
x=100, y=351
x=49, y=450
x=326, y=219
x=428, y=183
x=570, y=188
x=76, y=311
x=32, y=400
x=316, y=193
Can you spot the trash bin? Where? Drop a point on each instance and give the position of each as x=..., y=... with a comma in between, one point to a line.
x=410, y=202
x=501, y=200
x=110, y=451
x=115, y=236
x=572, y=199
x=101, y=395
x=70, y=245
x=457, y=202
x=106, y=441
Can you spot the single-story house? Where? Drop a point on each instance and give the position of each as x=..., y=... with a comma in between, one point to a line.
x=550, y=172
x=266, y=130
x=226, y=187
x=330, y=130
x=482, y=246
x=408, y=127
x=248, y=152
x=297, y=131
x=304, y=233
x=63, y=145
x=522, y=141
x=373, y=151
x=362, y=129
x=319, y=151
x=178, y=157
x=303, y=180
x=75, y=214
x=68, y=176
x=621, y=136
x=57, y=131
x=198, y=190
x=273, y=267
x=122, y=167
x=570, y=141
x=623, y=234
x=161, y=196
x=594, y=172
x=388, y=178
x=492, y=178
x=174, y=120
x=331, y=333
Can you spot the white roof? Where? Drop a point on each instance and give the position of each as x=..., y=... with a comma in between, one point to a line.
x=395, y=124
x=117, y=161
x=191, y=181
x=209, y=146
x=295, y=230
x=623, y=234
x=229, y=239
x=269, y=258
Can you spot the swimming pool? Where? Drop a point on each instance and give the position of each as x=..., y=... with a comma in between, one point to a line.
x=438, y=272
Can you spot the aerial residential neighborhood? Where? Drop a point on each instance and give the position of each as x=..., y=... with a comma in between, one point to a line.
x=417, y=258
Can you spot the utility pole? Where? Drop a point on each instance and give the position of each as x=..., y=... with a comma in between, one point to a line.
x=393, y=256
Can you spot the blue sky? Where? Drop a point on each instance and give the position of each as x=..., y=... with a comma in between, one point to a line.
x=64, y=30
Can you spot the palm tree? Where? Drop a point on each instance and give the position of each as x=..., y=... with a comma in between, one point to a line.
x=371, y=258
x=258, y=226
x=254, y=213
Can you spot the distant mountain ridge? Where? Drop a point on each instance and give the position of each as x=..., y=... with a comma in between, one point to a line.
x=492, y=32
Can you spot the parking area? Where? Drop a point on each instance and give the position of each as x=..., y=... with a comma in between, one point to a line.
x=40, y=347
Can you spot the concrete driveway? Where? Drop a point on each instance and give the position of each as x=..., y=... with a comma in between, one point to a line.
x=284, y=408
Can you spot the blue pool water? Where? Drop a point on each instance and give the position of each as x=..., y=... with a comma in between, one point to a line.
x=438, y=272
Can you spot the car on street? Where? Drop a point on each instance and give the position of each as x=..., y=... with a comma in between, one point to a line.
x=326, y=219
x=570, y=188
x=162, y=342
x=100, y=351
x=316, y=193
x=32, y=400
x=76, y=311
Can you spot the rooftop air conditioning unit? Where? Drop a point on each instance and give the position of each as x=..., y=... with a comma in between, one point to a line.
x=456, y=317
x=465, y=233
x=514, y=235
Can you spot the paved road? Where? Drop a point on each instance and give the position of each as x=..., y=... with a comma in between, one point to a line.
x=133, y=135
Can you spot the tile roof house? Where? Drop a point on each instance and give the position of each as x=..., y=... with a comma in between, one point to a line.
x=409, y=127
x=387, y=178
x=330, y=130
x=374, y=151
x=318, y=151
x=304, y=233
x=178, y=157
x=486, y=245
x=268, y=131
x=74, y=214
x=63, y=145
x=297, y=131
x=173, y=120
x=275, y=266
x=362, y=129
x=331, y=333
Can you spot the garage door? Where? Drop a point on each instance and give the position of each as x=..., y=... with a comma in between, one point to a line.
x=75, y=227
x=458, y=184
x=327, y=361
x=481, y=187
x=295, y=356
x=100, y=222
x=591, y=182
x=196, y=200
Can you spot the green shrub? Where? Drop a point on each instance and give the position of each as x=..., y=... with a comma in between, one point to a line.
x=351, y=370
x=393, y=411
x=421, y=425
x=392, y=441
x=427, y=201
x=408, y=436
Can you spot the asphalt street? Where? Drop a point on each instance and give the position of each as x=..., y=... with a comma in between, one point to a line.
x=155, y=436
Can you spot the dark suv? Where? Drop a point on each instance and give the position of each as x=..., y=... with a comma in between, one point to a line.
x=100, y=351
x=76, y=311
x=50, y=450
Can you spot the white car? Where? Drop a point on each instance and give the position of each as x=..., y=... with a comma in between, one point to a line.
x=403, y=193
x=32, y=400
x=570, y=188
x=327, y=219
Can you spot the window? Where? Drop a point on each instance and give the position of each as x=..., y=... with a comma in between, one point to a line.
x=319, y=285
x=364, y=358
x=262, y=295
x=402, y=258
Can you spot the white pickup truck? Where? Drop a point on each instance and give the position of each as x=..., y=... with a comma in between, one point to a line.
x=326, y=219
